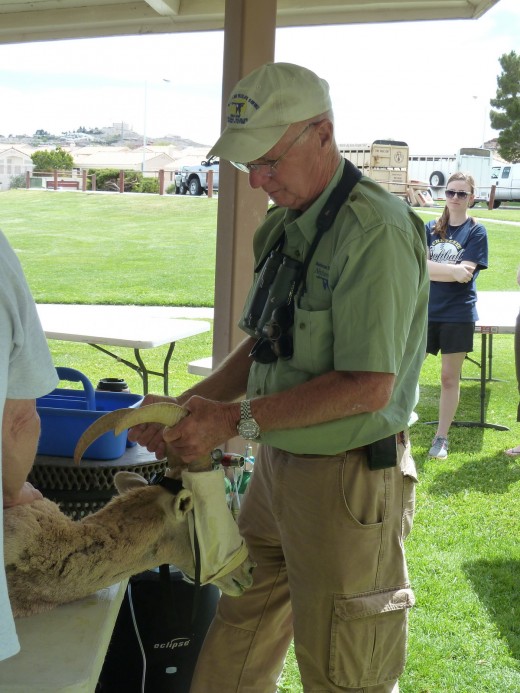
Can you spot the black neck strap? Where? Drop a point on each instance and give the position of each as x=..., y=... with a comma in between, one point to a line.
x=337, y=197
x=171, y=485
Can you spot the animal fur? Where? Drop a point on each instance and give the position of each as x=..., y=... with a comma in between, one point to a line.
x=51, y=559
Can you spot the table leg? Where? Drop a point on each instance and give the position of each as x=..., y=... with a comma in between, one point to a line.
x=483, y=377
x=490, y=357
x=118, y=358
x=166, y=367
x=143, y=371
x=141, y=368
x=483, y=367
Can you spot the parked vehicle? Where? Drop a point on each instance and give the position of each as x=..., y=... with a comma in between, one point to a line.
x=195, y=179
x=386, y=161
x=435, y=169
x=506, y=178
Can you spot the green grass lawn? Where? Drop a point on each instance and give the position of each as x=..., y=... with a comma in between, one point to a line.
x=463, y=553
x=113, y=248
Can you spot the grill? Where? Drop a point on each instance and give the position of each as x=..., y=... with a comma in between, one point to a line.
x=83, y=489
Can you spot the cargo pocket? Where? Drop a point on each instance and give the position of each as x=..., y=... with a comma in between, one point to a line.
x=368, y=637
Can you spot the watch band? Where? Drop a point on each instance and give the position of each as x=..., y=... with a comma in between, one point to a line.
x=245, y=409
x=247, y=427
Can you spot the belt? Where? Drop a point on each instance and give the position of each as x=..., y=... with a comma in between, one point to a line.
x=399, y=437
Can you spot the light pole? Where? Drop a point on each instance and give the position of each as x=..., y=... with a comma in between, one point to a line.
x=145, y=106
x=144, y=125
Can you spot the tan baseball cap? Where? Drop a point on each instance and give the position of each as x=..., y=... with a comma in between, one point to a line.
x=264, y=104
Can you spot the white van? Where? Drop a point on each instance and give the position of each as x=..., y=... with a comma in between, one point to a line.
x=506, y=178
x=435, y=169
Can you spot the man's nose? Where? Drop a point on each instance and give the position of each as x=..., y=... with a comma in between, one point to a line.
x=259, y=178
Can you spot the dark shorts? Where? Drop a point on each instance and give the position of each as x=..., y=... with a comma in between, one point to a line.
x=450, y=337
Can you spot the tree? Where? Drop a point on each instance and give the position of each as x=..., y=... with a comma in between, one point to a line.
x=507, y=101
x=49, y=160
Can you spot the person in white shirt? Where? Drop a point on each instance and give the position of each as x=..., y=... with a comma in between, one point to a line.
x=26, y=372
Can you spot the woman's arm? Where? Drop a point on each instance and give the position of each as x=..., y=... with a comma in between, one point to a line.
x=445, y=272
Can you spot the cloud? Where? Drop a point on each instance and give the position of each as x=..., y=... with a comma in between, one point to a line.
x=428, y=83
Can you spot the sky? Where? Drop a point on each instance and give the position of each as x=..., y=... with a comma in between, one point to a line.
x=426, y=83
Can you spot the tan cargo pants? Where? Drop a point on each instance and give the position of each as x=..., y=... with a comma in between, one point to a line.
x=327, y=535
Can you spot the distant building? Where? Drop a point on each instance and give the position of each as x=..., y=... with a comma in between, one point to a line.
x=14, y=161
x=120, y=158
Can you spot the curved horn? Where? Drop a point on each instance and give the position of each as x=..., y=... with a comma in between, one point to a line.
x=165, y=413
x=105, y=423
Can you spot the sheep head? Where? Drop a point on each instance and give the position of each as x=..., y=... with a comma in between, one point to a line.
x=225, y=561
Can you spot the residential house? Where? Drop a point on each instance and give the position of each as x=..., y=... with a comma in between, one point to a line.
x=14, y=161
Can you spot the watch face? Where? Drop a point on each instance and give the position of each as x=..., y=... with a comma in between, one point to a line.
x=249, y=429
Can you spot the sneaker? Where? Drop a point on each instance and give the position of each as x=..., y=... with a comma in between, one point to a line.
x=439, y=448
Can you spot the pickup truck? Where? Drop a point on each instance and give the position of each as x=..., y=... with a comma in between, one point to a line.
x=194, y=179
x=507, y=181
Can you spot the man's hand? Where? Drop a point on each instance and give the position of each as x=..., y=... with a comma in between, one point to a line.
x=208, y=424
x=150, y=435
x=28, y=494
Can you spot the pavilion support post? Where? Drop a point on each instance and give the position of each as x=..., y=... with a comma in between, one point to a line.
x=240, y=209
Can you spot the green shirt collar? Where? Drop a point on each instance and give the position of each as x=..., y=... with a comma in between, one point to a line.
x=307, y=221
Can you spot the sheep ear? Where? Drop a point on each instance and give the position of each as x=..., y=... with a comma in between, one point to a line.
x=183, y=503
x=126, y=481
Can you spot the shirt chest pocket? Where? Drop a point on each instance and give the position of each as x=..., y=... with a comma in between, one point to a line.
x=313, y=341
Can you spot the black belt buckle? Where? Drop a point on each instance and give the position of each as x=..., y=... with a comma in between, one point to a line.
x=382, y=454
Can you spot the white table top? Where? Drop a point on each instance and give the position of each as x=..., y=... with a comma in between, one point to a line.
x=497, y=311
x=139, y=327
x=63, y=650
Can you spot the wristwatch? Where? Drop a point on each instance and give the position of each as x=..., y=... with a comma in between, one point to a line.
x=247, y=427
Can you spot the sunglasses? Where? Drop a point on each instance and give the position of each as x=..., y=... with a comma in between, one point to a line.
x=461, y=194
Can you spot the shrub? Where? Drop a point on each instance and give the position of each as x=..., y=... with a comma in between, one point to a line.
x=18, y=181
x=108, y=179
x=148, y=185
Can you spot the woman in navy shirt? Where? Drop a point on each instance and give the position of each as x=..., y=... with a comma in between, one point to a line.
x=457, y=251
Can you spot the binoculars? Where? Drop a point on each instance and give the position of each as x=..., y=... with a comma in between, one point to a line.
x=270, y=313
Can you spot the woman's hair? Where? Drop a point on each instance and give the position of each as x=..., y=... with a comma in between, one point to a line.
x=444, y=220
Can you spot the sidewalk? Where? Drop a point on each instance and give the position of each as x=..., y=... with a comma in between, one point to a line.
x=483, y=220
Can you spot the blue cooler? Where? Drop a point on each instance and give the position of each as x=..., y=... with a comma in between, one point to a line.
x=66, y=413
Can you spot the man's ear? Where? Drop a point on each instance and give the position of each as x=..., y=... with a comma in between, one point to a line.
x=326, y=132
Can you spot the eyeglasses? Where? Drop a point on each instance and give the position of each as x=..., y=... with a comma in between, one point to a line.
x=461, y=194
x=267, y=168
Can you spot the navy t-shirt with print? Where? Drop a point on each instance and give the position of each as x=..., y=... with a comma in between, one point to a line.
x=453, y=301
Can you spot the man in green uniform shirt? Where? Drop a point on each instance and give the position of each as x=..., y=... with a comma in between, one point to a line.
x=327, y=375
